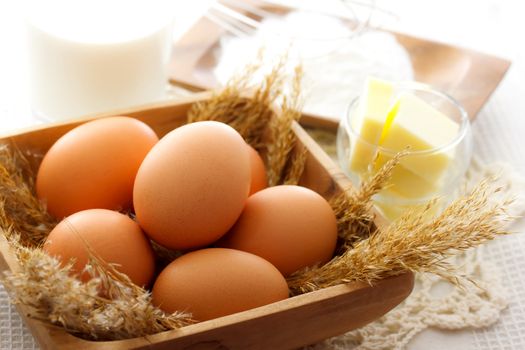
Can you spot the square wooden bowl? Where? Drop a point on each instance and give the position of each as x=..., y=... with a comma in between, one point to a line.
x=291, y=323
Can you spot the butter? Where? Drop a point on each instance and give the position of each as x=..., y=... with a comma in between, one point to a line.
x=369, y=122
x=413, y=122
x=395, y=210
x=406, y=184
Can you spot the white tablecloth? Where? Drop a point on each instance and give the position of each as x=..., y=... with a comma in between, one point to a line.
x=492, y=26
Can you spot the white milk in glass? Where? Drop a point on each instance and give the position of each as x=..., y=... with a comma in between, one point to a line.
x=92, y=56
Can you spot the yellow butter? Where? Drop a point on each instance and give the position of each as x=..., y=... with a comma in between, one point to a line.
x=406, y=184
x=369, y=122
x=421, y=127
x=393, y=211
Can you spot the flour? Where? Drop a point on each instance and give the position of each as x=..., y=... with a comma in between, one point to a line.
x=336, y=60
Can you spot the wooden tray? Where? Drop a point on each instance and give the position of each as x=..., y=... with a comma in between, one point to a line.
x=467, y=75
x=287, y=324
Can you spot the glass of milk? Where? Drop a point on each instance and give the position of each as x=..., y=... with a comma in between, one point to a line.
x=91, y=56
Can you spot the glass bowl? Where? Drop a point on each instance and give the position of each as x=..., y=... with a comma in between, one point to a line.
x=421, y=175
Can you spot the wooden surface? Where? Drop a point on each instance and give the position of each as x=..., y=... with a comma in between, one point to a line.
x=468, y=76
x=290, y=323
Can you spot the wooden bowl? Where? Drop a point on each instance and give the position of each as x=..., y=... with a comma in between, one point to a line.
x=291, y=323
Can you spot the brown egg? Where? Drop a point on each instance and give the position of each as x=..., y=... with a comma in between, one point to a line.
x=217, y=282
x=290, y=226
x=94, y=166
x=258, y=171
x=192, y=186
x=114, y=237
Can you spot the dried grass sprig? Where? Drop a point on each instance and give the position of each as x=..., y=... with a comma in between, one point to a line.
x=412, y=243
x=352, y=207
x=20, y=210
x=54, y=295
x=296, y=166
x=249, y=116
x=256, y=118
x=281, y=134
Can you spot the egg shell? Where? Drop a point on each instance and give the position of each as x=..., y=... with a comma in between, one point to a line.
x=216, y=282
x=192, y=186
x=259, y=179
x=290, y=226
x=112, y=236
x=94, y=166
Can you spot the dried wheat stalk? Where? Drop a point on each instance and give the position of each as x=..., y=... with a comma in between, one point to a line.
x=54, y=295
x=248, y=115
x=20, y=210
x=282, y=136
x=414, y=243
x=295, y=167
x=256, y=120
x=352, y=207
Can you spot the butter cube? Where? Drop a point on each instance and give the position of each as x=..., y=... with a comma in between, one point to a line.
x=393, y=211
x=406, y=184
x=415, y=123
x=372, y=110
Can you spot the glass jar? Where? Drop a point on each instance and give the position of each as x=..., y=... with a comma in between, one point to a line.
x=422, y=174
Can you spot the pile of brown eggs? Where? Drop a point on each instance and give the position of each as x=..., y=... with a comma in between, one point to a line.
x=200, y=189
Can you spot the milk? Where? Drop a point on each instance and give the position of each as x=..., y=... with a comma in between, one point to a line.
x=92, y=56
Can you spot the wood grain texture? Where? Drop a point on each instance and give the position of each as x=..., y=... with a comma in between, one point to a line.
x=290, y=323
x=467, y=75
